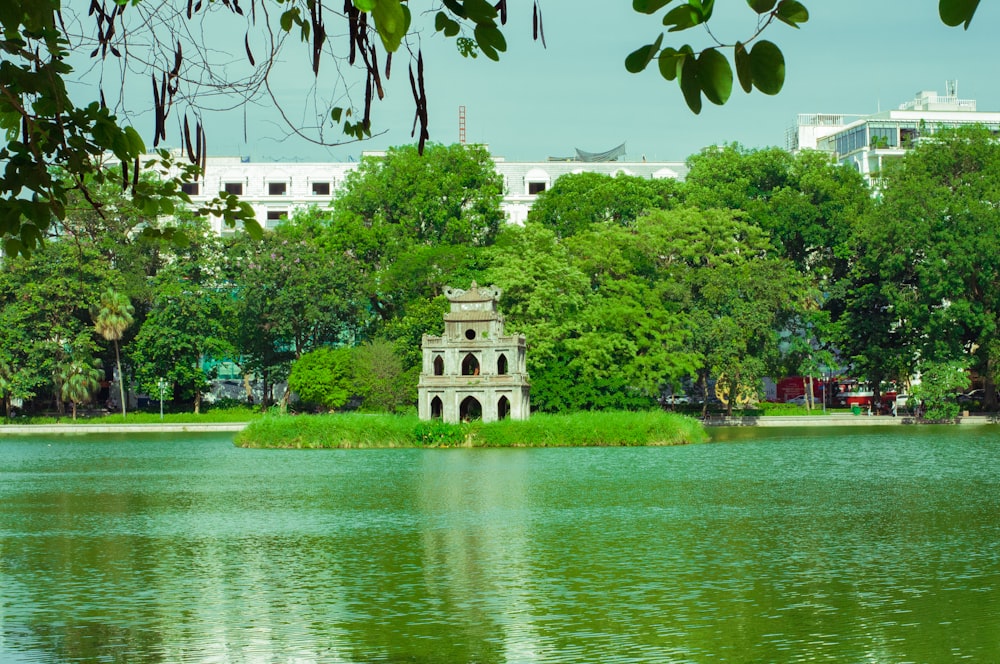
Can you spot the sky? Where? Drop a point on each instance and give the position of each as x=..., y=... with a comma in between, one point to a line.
x=852, y=57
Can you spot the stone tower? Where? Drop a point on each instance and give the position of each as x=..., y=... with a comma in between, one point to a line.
x=473, y=371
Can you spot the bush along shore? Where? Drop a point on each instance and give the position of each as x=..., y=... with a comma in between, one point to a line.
x=381, y=431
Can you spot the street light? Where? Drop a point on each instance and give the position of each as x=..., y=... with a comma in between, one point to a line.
x=161, y=384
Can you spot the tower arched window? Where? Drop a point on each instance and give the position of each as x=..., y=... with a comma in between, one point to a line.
x=470, y=365
x=502, y=365
x=438, y=365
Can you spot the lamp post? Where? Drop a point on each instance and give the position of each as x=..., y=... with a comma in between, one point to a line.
x=161, y=384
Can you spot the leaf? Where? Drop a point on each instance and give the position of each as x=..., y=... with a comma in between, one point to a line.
x=390, y=21
x=637, y=60
x=767, y=66
x=682, y=18
x=743, y=70
x=335, y=113
x=689, y=81
x=490, y=40
x=715, y=76
x=792, y=12
x=444, y=23
x=670, y=61
x=288, y=18
x=957, y=12
x=365, y=5
x=761, y=6
x=649, y=6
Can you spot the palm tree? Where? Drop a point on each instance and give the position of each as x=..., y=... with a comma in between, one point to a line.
x=79, y=381
x=111, y=318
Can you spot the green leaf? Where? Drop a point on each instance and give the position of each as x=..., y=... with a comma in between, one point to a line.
x=689, y=80
x=335, y=113
x=365, y=5
x=649, y=6
x=682, y=18
x=670, y=61
x=444, y=23
x=391, y=23
x=637, y=60
x=288, y=19
x=715, y=76
x=957, y=12
x=761, y=6
x=490, y=40
x=743, y=70
x=792, y=12
x=767, y=66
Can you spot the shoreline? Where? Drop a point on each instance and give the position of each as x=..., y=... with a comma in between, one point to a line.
x=767, y=421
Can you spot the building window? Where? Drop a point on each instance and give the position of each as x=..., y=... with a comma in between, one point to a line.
x=277, y=188
x=535, y=188
x=437, y=408
x=275, y=217
x=438, y=366
x=321, y=188
x=502, y=365
x=503, y=408
x=235, y=188
x=190, y=188
x=470, y=334
x=470, y=365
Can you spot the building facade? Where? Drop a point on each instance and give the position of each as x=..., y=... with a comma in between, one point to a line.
x=276, y=189
x=474, y=371
x=870, y=142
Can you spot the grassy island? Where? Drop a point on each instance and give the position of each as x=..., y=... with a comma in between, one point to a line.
x=374, y=431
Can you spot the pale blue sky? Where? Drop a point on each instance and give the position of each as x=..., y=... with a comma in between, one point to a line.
x=853, y=56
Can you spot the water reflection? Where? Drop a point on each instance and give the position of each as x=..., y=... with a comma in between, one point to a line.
x=863, y=547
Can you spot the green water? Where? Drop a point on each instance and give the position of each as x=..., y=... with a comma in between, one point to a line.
x=769, y=546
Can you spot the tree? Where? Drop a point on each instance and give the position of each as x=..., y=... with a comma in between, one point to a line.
x=577, y=201
x=79, y=381
x=291, y=295
x=45, y=127
x=411, y=223
x=187, y=321
x=380, y=378
x=323, y=377
x=929, y=259
x=112, y=316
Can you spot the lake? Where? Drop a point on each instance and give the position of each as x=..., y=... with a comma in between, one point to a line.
x=835, y=545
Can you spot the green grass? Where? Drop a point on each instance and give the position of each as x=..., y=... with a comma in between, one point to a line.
x=210, y=416
x=368, y=431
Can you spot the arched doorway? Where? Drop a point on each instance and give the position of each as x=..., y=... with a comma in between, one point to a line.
x=470, y=409
x=503, y=408
x=502, y=365
x=470, y=365
x=437, y=408
x=438, y=365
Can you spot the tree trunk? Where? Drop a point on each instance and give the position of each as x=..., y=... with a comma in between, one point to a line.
x=197, y=401
x=121, y=378
x=810, y=403
x=74, y=411
x=703, y=379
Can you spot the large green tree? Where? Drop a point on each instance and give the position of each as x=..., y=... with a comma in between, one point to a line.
x=188, y=320
x=929, y=260
x=577, y=201
x=413, y=223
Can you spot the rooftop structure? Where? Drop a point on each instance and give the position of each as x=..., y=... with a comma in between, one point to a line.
x=870, y=142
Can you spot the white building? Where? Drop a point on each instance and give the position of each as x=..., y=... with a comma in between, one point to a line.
x=869, y=142
x=276, y=189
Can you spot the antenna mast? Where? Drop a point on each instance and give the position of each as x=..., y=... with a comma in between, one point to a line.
x=461, y=125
